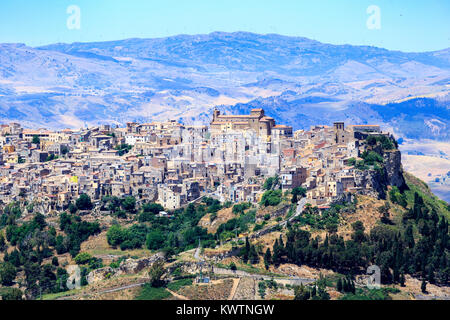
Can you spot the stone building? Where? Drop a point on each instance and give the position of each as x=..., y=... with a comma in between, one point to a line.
x=256, y=121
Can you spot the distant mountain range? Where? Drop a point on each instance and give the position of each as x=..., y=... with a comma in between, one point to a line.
x=297, y=80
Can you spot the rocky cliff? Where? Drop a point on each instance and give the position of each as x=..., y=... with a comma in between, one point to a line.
x=394, y=169
x=374, y=182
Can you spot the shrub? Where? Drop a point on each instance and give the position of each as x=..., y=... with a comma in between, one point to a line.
x=7, y=273
x=151, y=293
x=154, y=208
x=271, y=198
x=241, y=207
x=176, y=285
x=83, y=258
x=129, y=204
x=11, y=294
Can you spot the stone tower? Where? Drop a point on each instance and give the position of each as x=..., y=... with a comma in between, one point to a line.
x=339, y=132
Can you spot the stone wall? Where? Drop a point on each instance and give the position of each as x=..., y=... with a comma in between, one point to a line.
x=129, y=266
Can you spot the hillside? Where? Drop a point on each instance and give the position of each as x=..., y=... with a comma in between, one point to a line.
x=295, y=79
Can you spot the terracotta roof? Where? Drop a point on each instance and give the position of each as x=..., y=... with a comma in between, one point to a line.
x=236, y=116
x=364, y=125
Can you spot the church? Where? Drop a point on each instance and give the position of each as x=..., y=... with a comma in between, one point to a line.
x=256, y=120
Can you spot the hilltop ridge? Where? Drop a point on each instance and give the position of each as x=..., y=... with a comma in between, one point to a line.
x=184, y=77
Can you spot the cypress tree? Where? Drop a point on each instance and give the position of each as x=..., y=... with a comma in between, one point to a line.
x=2, y=242
x=409, y=237
x=267, y=258
x=313, y=291
x=339, y=285
x=431, y=274
x=396, y=275
x=253, y=255
x=423, y=287
x=246, y=252
x=281, y=241
x=402, y=279
x=345, y=285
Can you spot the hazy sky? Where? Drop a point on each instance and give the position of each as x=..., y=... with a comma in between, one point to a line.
x=407, y=25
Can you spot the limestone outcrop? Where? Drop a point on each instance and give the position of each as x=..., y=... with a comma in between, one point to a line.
x=132, y=266
x=374, y=182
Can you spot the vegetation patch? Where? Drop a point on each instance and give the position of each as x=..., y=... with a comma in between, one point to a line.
x=370, y=294
x=151, y=293
x=178, y=284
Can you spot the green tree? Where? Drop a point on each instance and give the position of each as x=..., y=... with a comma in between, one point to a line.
x=84, y=202
x=270, y=183
x=83, y=258
x=358, y=231
x=294, y=198
x=384, y=212
x=115, y=235
x=299, y=191
x=36, y=139
x=301, y=293
x=156, y=272
x=423, y=286
x=253, y=255
x=55, y=261
x=339, y=285
x=39, y=220
x=271, y=198
x=11, y=294
x=409, y=236
x=7, y=274
x=322, y=293
x=267, y=258
x=155, y=239
x=402, y=279
x=129, y=204
x=72, y=208
x=154, y=208
x=2, y=242
x=245, y=252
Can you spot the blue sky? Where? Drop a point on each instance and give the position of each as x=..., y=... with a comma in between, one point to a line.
x=407, y=25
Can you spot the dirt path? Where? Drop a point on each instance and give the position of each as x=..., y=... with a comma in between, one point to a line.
x=176, y=295
x=234, y=288
x=103, y=291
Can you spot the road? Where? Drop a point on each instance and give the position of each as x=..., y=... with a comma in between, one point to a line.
x=240, y=273
x=197, y=254
x=300, y=206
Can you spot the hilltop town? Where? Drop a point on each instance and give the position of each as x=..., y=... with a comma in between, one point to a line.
x=215, y=211
x=174, y=164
